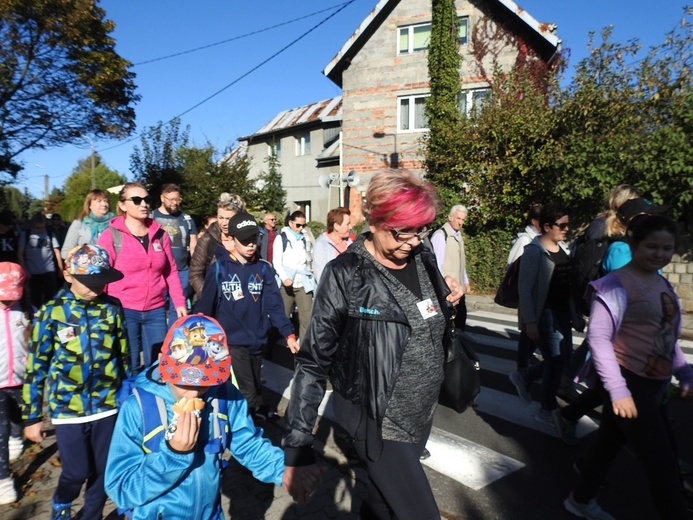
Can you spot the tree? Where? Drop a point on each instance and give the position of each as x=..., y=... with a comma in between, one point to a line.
x=54, y=201
x=442, y=107
x=14, y=200
x=158, y=161
x=60, y=78
x=206, y=176
x=271, y=197
x=78, y=185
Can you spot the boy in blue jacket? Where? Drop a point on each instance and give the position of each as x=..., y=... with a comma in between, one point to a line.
x=173, y=470
x=240, y=291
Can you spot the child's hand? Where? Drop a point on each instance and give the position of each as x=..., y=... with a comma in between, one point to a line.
x=301, y=481
x=35, y=432
x=625, y=408
x=188, y=428
x=293, y=345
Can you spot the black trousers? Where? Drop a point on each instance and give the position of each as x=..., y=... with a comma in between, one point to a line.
x=246, y=367
x=397, y=485
x=649, y=437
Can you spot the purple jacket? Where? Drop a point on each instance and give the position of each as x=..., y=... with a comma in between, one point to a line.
x=608, y=307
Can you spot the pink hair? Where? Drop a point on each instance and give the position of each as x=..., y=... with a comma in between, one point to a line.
x=400, y=199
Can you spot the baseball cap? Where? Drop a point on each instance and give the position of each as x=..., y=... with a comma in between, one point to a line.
x=195, y=353
x=12, y=278
x=243, y=226
x=89, y=264
x=638, y=206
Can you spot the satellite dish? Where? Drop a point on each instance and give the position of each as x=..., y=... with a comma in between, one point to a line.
x=324, y=180
x=352, y=179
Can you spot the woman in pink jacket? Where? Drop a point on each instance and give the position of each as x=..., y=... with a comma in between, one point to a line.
x=141, y=250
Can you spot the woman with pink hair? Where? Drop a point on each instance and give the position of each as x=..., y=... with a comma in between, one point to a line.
x=376, y=332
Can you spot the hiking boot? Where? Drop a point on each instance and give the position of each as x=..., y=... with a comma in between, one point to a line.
x=591, y=510
x=521, y=386
x=16, y=447
x=61, y=511
x=565, y=428
x=8, y=493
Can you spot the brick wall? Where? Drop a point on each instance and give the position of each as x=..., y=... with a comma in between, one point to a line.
x=680, y=273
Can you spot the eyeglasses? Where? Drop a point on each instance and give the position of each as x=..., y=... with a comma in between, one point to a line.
x=270, y=220
x=562, y=226
x=138, y=200
x=178, y=200
x=406, y=237
x=299, y=226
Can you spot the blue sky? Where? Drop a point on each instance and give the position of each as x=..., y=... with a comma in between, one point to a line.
x=151, y=29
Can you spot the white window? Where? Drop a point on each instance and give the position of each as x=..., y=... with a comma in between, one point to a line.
x=411, y=113
x=303, y=145
x=413, y=38
x=473, y=100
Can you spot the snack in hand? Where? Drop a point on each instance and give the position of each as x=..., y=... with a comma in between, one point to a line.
x=189, y=405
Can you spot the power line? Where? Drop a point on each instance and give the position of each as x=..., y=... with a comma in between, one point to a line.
x=238, y=37
x=242, y=76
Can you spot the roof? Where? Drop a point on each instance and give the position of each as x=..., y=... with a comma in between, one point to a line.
x=328, y=110
x=541, y=35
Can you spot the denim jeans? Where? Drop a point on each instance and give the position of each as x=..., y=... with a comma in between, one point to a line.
x=171, y=315
x=146, y=332
x=556, y=346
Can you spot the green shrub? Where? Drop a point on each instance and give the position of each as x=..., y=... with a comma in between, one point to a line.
x=487, y=252
x=316, y=227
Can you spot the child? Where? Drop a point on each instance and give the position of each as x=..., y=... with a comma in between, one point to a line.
x=177, y=476
x=14, y=322
x=635, y=322
x=78, y=351
x=241, y=292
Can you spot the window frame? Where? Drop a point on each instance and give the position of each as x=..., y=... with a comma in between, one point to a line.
x=412, y=113
x=410, y=36
x=303, y=147
x=470, y=100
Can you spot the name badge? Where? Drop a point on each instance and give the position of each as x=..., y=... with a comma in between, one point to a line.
x=427, y=308
x=157, y=247
x=237, y=294
x=66, y=334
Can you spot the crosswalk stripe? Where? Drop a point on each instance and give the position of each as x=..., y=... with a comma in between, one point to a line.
x=467, y=462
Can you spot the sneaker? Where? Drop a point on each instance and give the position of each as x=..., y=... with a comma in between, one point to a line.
x=591, y=510
x=61, y=511
x=424, y=454
x=16, y=447
x=565, y=428
x=544, y=417
x=8, y=493
x=521, y=386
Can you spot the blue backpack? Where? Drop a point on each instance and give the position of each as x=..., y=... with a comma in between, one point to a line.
x=155, y=424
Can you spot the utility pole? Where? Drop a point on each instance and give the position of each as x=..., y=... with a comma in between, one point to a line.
x=93, y=175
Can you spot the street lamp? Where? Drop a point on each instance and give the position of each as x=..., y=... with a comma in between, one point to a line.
x=394, y=157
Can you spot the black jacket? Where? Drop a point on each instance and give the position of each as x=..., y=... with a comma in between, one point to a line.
x=355, y=331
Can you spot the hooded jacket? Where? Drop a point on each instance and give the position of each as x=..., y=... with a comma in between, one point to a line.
x=291, y=260
x=14, y=329
x=79, y=350
x=202, y=257
x=247, y=319
x=356, y=338
x=182, y=486
x=148, y=274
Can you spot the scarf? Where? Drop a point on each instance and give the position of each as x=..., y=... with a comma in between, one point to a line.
x=97, y=224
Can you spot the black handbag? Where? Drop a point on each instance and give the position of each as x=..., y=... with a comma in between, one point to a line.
x=461, y=384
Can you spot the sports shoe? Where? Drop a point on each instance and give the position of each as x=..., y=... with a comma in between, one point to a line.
x=16, y=447
x=543, y=416
x=425, y=454
x=591, y=510
x=61, y=511
x=521, y=386
x=8, y=493
x=565, y=428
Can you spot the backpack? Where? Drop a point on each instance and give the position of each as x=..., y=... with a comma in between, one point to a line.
x=117, y=238
x=588, y=255
x=508, y=293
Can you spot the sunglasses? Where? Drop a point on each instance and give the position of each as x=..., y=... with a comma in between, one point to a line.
x=138, y=200
x=299, y=226
x=562, y=226
x=406, y=237
x=270, y=220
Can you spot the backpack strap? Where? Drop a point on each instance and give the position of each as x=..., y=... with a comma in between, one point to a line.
x=117, y=238
x=154, y=423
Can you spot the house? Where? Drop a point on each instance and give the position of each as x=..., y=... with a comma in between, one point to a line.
x=382, y=70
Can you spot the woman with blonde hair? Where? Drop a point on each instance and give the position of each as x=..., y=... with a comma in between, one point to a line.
x=607, y=222
x=90, y=223
x=217, y=234
x=141, y=249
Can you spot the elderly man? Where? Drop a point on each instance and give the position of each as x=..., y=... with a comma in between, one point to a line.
x=448, y=245
x=267, y=236
x=182, y=231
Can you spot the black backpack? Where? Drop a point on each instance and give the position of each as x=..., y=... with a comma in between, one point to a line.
x=588, y=255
